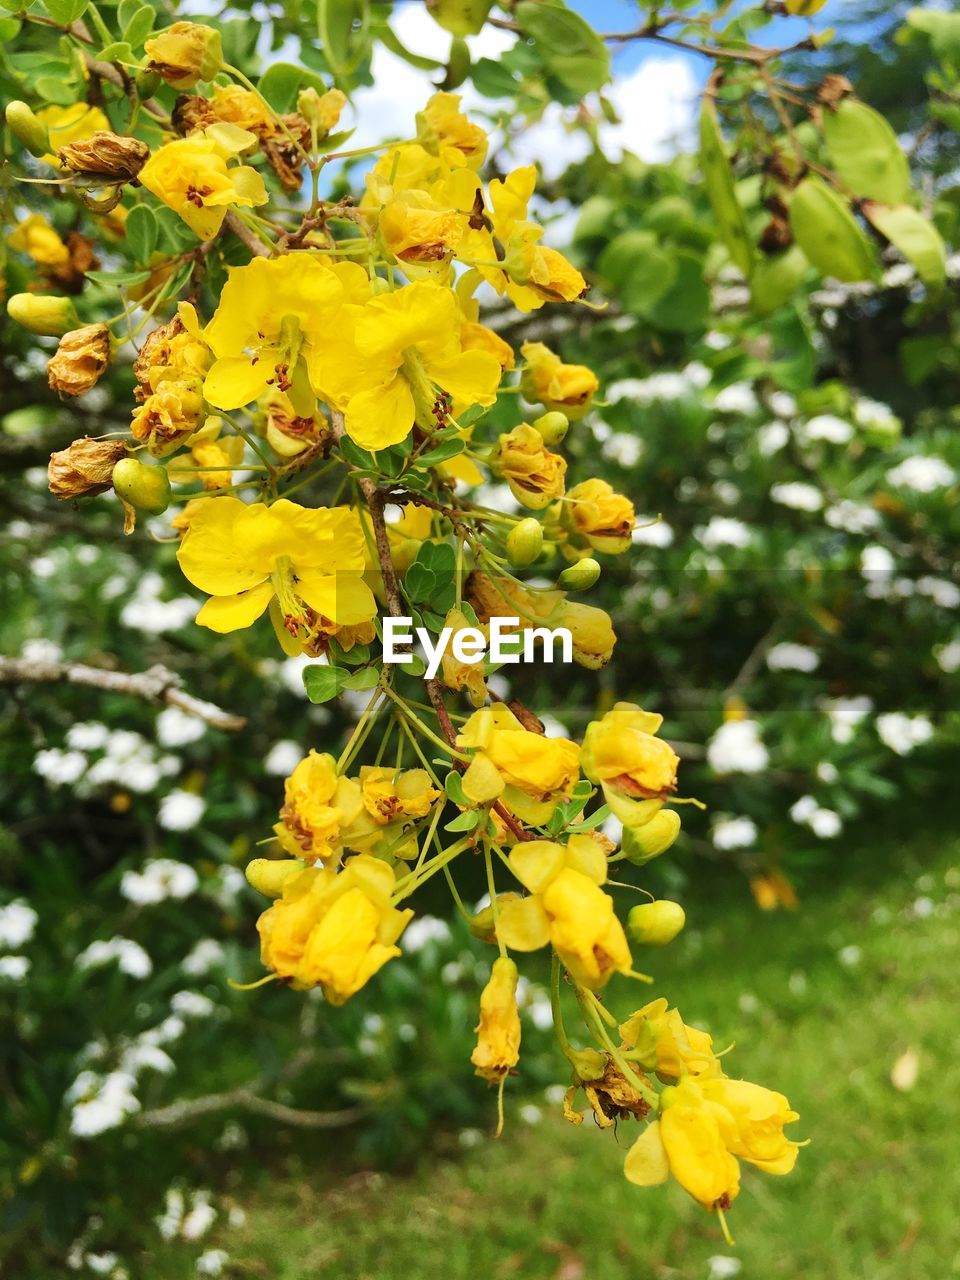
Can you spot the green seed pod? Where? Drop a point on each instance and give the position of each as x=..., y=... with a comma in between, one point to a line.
x=142, y=487
x=147, y=83
x=640, y=844
x=654, y=924
x=44, y=314
x=27, y=128
x=267, y=875
x=580, y=576
x=524, y=542
x=553, y=426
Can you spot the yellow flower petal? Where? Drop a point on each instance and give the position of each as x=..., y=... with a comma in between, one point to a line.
x=209, y=555
x=342, y=597
x=646, y=1164
x=522, y=924
x=233, y=613
x=381, y=416
x=234, y=381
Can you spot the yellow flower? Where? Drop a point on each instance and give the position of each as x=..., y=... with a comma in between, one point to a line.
x=601, y=515
x=184, y=53
x=424, y=229
x=389, y=794
x=173, y=352
x=192, y=176
x=243, y=108
x=498, y=1042
x=530, y=771
x=169, y=415
x=442, y=125
x=321, y=109
x=666, y=1044
x=212, y=457
x=271, y=313
x=687, y=1142
x=306, y=564
x=75, y=123
x=622, y=753
x=317, y=805
x=591, y=632
x=409, y=343
x=567, y=908
x=408, y=167
x=333, y=929
x=35, y=237
x=462, y=675
x=534, y=474
x=567, y=387
x=754, y=1129
x=289, y=433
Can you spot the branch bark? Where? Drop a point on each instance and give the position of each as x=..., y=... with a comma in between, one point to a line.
x=245, y=1098
x=158, y=684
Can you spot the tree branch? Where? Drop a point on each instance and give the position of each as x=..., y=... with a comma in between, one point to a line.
x=258, y=247
x=158, y=684
x=245, y=1098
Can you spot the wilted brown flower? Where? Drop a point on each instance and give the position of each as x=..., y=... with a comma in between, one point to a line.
x=82, y=356
x=69, y=275
x=832, y=90
x=105, y=155
x=281, y=152
x=185, y=53
x=84, y=467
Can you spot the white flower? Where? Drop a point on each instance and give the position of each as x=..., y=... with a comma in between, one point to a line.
x=282, y=758
x=212, y=1262
x=424, y=931
x=624, y=449
x=827, y=771
x=798, y=496
x=874, y=416
x=41, y=651
x=161, y=878
x=14, y=968
x=736, y=747
x=101, y=1102
x=849, y=956
x=142, y=1055
x=646, y=391
x=723, y=1267
x=87, y=736
x=729, y=832
x=825, y=823
x=154, y=617
x=191, y=1004
x=739, y=397
x=130, y=957
x=902, y=733
x=723, y=531
x=650, y=532
x=772, y=437
x=61, y=768
x=201, y=1217
x=922, y=474
x=530, y=1113
x=940, y=590
x=826, y=427
x=18, y=920
x=878, y=561
x=175, y=728
x=167, y=1032
x=948, y=657
x=168, y=1222
x=845, y=714
x=206, y=954
x=782, y=403
x=852, y=517
x=792, y=657
x=802, y=810
x=181, y=810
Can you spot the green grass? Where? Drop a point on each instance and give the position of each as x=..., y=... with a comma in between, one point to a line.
x=873, y=1196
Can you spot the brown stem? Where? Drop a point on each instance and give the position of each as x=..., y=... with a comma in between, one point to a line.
x=257, y=247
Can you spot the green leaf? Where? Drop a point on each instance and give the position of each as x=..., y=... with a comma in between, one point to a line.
x=493, y=80
x=828, y=234
x=776, y=279
x=419, y=582
x=140, y=24
x=142, y=232
x=59, y=90
x=322, y=682
x=119, y=51
x=282, y=81
x=464, y=821
x=365, y=678
x=639, y=269
x=116, y=279
x=453, y=786
x=721, y=190
x=685, y=306
x=596, y=215
x=9, y=28
x=65, y=11
x=571, y=50
x=865, y=152
x=917, y=239
x=441, y=453
x=344, y=30
x=943, y=28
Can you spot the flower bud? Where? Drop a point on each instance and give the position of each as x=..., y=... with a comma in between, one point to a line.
x=640, y=844
x=535, y=475
x=524, y=542
x=142, y=487
x=267, y=875
x=460, y=17
x=321, y=109
x=27, y=128
x=84, y=468
x=105, y=155
x=654, y=924
x=81, y=358
x=481, y=925
x=592, y=633
x=552, y=426
x=580, y=576
x=147, y=83
x=185, y=53
x=44, y=314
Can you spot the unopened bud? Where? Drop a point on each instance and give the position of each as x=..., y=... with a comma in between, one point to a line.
x=81, y=358
x=321, y=109
x=84, y=468
x=640, y=844
x=524, y=542
x=553, y=426
x=105, y=155
x=44, y=314
x=27, y=127
x=184, y=54
x=654, y=924
x=268, y=875
x=460, y=17
x=142, y=487
x=580, y=576
x=147, y=83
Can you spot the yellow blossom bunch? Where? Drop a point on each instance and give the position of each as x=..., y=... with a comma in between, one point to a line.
x=318, y=393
